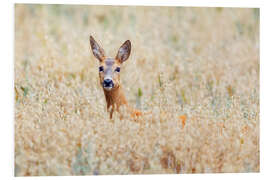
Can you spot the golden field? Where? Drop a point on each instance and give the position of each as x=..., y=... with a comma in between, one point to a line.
x=196, y=69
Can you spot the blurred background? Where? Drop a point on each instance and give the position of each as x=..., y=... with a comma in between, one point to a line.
x=200, y=64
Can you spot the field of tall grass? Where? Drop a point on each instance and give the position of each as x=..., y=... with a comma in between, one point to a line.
x=196, y=69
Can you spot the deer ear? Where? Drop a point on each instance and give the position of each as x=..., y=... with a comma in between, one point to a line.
x=124, y=52
x=96, y=49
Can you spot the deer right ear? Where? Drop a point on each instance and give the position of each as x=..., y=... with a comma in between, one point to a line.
x=124, y=51
x=98, y=52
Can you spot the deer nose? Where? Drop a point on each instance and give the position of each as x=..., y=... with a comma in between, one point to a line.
x=107, y=83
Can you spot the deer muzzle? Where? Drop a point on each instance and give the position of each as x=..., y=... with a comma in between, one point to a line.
x=108, y=84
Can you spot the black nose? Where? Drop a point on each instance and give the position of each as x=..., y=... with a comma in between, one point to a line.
x=108, y=83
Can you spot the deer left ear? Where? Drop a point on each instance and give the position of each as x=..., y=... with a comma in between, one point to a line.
x=124, y=51
x=98, y=52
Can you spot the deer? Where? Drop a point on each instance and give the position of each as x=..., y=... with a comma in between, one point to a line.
x=109, y=77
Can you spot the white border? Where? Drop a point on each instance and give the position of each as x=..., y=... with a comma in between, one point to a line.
x=7, y=76
x=197, y=3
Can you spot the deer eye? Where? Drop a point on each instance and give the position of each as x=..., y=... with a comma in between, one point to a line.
x=117, y=69
x=101, y=69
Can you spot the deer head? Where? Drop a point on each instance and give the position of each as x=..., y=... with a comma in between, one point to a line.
x=109, y=68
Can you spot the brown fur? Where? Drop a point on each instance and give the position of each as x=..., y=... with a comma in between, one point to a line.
x=115, y=98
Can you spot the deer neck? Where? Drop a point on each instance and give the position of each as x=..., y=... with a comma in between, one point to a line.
x=115, y=98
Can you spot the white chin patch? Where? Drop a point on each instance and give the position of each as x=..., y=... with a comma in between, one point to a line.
x=107, y=88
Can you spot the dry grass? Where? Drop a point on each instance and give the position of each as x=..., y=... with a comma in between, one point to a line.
x=196, y=69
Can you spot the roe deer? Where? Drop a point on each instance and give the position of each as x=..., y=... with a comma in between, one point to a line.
x=109, y=75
